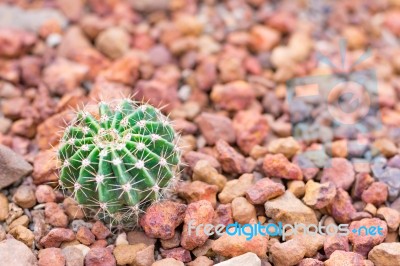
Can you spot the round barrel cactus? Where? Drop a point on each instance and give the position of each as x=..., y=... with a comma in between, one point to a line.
x=118, y=162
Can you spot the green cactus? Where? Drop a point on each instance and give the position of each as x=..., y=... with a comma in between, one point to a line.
x=117, y=165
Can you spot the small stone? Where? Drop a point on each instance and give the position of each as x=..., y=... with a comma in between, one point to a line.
x=236, y=188
x=144, y=257
x=44, y=165
x=162, y=218
x=310, y=262
x=197, y=213
x=204, y=250
x=72, y=209
x=100, y=230
x=376, y=193
x=289, y=210
x=251, y=128
x=390, y=178
x=288, y=253
x=113, y=42
x=55, y=215
x=204, y=171
x=168, y=262
x=243, y=211
x=248, y=259
x=201, y=261
x=23, y=234
x=319, y=195
x=215, y=127
x=3, y=207
x=385, y=254
x=287, y=146
x=391, y=216
x=370, y=208
x=263, y=190
x=363, y=243
x=263, y=39
x=73, y=256
x=25, y=197
x=385, y=147
x=51, y=257
x=235, y=245
x=233, y=96
x=340, y=172
x=197, y=190
x=335, y=242
x=14, y=212
x=137, y=237
x=100, y=257
x=13, y=252
x=45, y=193
x=279, y=166
x=192, y=157
x=56, y=236
x=340, y=257
x=341, y=208
x=85, y=236
x=297, y=187
x=124, y=70
x=13, y=167
x=173, y=242
x=121, y=239
x=231, y=160
x=223, y=214
x=126, y=254
x=180, y=254
x=362, y=182
x=311, y=242
x=23, y=220
x=339, y=148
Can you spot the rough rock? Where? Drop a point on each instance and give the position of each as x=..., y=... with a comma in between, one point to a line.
x=126, y=254
x=376, y=193
x=287, y=146
x=198, y=190
x=14, y=252
x=391, y=216
x=55, y=215
x=168, y=262
x=278, y=165
x=25, y=197
x=248, y=259
x=45, y=193
x=145, y=257
x=340, y=172
x=162, y=218
x=56, y=236
x=243, y=211
x=85, y=236
x=236, y=188
x=289, y=210
x=13, y=167
x=215, y=127
x=233, y=96
x=204, y=171
x=100, y=257
x=51, y=257
x=263, y=190
x=179, y=253
x=385, y=254
x=100, y=230
x=113, y=42
x=23, y=234
x=231, y=160
x=341, y=208
x=343, y=258
x=287, y=253
x=319, y=195
x=335, y=242
x=73, y=256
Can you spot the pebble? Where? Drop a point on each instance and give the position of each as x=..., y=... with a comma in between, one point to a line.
x=243, y=211
x=179, y=253
x=145, y=257
x=223, y=214
x=236, y=188
x=192, y=157
x=310, y=262
x=45, y=193
x=335, y=242
x=55, y=215
x=113, y=42
x=72, y=209
x=73, y=256
x=14, y=167
x=341, y=208
x=3, y=207
x=215, y=127
x=25, y=197
x=162, y=218
x=173, y=242
x=85, y=236
x=204, y=171
x=278, y=165
x=287, y=146
x=100, y=230
x=100, y=257
x=201, y=261
x=168, y=262
x=51, y=257
x=121, y=239
x=363, y=243
x=137, y=237
x=263, y=39
x=385, y=147
x=263, y=190
x=289, y=209
x=385, y=254
x=248, y=259
x=231, y=160
x=391, y=216
x=297, y=187
x=126, y=254
x=200, y=212
x=362, y=182
x=340, y=257
x=319, y=195
x=340, y=172
x=14, y=212
x=376, y=193
x=44, y=165
x=233, y=96
x=14, y=252
x=390, y=178
x=311, y=242
x=287, y=253
x=23, y=220
x=198, y=190
x=56, y=236
x=23, y=234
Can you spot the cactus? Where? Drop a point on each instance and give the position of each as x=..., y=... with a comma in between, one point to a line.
x=117, y=165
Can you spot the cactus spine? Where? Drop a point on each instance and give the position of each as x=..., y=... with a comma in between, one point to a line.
x=120, y=163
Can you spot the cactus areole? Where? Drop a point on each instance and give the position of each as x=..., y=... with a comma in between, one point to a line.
x=119, y=163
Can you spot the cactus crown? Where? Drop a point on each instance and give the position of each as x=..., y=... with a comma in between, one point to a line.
x=118, y=164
